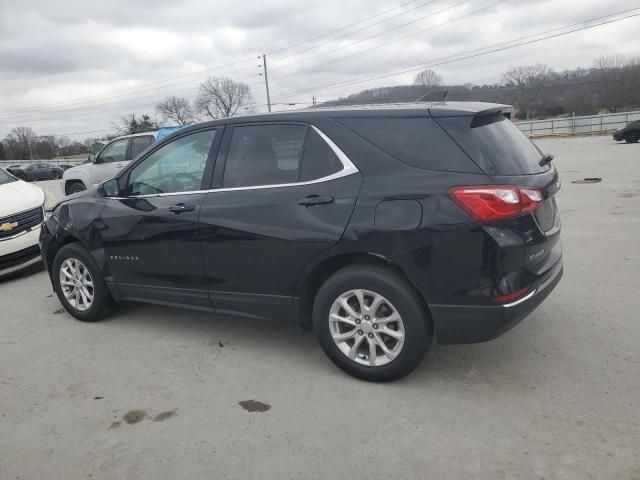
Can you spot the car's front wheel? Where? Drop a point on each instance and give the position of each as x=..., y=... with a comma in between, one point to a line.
x=372, y=323
x=79, y=285
x=632, y=137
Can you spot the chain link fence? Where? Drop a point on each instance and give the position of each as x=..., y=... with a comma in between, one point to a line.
x=592, y=124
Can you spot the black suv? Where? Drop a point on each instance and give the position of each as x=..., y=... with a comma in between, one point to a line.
x=383, y=228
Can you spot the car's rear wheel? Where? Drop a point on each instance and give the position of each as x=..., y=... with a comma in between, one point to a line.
x=372, y=323
x=75, y=187
x=79, y=285
x=632, y=137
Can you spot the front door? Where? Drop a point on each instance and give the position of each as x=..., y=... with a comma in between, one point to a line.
x=151, y=233
x=282, y=196
x=109, y=162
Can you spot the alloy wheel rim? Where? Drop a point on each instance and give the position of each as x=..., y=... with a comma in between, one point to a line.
x=76, y=284
x=366, y=327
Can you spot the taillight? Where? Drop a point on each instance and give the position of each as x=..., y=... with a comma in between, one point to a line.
x=508, y=297
x=490, y=203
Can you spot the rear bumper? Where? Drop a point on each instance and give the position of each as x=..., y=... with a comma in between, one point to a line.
x=456, y=324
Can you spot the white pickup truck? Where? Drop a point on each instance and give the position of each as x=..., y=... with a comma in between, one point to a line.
x=107, y=163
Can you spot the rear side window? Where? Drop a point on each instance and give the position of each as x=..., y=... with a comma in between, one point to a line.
x=264, y=155
x=318, y=160
x=138, y=144
x=505, y=146
x=418, y=142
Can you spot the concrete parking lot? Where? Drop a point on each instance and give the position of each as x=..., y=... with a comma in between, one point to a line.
x=154, y=392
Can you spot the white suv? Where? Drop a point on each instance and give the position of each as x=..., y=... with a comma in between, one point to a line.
x=107, y=163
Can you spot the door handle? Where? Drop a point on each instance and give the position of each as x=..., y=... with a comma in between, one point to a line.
x=312, y=200
x=182, y=208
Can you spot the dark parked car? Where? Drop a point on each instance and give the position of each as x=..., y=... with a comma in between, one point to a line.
x=630, y=133
x=385, y=228
x=36, y=171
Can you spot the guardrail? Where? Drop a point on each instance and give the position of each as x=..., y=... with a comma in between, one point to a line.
x=591, y=124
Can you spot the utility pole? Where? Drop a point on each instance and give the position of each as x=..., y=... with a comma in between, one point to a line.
x=314, y=101
x=266, y=80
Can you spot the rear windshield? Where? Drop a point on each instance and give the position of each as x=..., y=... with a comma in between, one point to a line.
x=5, y=177
x=505, y=146
x=416, y=141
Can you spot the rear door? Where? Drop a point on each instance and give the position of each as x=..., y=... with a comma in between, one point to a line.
x=283, y=193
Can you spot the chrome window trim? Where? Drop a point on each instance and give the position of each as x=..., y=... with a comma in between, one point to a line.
x=348, y=168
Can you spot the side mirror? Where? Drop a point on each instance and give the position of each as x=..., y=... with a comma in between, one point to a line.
x=92, y=158
x=110, y=188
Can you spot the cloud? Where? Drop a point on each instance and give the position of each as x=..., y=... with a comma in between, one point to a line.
x=95, y=61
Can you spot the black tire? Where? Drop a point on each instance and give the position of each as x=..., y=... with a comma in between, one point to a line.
x=76, y=187
x=407, y=302
x=56, y=176
x=102, y=300
x=632, y=137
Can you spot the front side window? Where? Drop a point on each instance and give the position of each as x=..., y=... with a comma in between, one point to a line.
x=115, y=151
x=264, y=155
x=176, y=167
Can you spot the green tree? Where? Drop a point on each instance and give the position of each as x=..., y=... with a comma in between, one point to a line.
x=135, y=124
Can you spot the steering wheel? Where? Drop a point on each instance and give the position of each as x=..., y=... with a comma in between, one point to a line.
x=179, y=186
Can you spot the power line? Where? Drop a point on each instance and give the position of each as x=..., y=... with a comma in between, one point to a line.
x=44, y=107
x=188, y=90
x=384, y=32
x=274, y=52
x=354, y=31
x=476, y=93
x=131, y=88
x=157, y=95
x=392, y=73
x=377, y=47
x=89, y=98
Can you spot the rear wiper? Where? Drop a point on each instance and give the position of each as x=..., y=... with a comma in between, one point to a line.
x=546, y=159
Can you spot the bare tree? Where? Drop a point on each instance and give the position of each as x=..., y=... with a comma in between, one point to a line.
x=428, y=79
x=529, y=81
x=177, y=109
x=222, y=97
x=617, y=81
x=19, y=142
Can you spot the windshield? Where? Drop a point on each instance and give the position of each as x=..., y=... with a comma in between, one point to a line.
x=5, y=177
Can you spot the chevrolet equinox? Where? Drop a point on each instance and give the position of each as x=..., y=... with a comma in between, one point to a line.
x=384, y=228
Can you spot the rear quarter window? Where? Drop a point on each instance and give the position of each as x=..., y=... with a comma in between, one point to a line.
x=416, y=141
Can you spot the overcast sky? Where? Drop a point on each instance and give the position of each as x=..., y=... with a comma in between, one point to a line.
x=78, y=65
